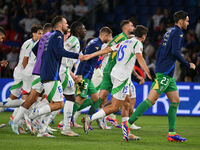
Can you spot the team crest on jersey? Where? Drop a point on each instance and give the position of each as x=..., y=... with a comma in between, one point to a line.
x=59, y=37
x=97, y=48
x=181, y=35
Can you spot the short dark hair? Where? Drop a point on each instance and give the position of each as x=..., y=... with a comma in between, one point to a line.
x=46, y=27
x=55, y=20
x=180, y=15
x=74, y=26
x=35, y=28
x=123, y=23
x=140, y=30
x=105, y=30
x=2, y=30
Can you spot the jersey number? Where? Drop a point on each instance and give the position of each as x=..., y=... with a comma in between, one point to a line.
x=121, y=51
x=164, y=81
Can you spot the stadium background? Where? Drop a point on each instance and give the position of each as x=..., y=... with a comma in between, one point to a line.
x=17, y=16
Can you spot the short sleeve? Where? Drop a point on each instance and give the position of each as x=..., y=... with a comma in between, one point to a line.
x=138, y=47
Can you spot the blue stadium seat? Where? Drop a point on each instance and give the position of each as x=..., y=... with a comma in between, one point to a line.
x=192, y=21
x=130, y=2
x=143, y=19
x=120, y=9
x=177, y=2
x=143, y=10
x=97, y=27
x=109, y=18
x=190, y=3
x=152, y=10
x=198, y=12
x=177, y=8
x=120, y=17
x=191, y=10
x=131, y=10
x=142, y=2
x=154, y=3
x=165, y=2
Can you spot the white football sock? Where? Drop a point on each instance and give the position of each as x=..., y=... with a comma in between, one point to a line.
x=125, y=119
x=77, y=113
x=68, y=109
x=40, y=111
x=14, y=103
x=15, y=112
x=100, y=114
x=20, y=114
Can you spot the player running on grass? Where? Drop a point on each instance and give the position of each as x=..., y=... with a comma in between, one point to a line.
x=168, y=52
x=85, y=69
x=12, y=100
x=49, y=71
x=106, y=84
x=36, y=88
x=72, y=44
x=127, y=52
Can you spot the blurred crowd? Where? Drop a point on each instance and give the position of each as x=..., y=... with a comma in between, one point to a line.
x=18, y=16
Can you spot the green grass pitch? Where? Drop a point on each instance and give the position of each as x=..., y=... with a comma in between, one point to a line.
x=153, y=136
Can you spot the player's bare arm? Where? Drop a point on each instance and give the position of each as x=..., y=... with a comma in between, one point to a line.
x=73, y=76
x=25, y=61
x=143, y=64
x=98, y=53
x=139, y=77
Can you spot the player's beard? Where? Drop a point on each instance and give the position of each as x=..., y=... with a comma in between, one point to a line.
x=64, y=30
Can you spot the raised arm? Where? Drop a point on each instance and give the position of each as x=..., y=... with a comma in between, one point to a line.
x=59, y=49
x=98, y=53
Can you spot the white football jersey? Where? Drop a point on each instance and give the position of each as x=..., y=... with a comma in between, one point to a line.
x=25, y=51
x=105, y=59
x=31, y=61
x=71, y=44
x=126, y=57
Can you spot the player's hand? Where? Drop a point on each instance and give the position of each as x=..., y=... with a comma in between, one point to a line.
x=141, y=80
x=81, y=57
x=78, y=79
x=4, y=63
x=192, y=66
x=87, y=57
x=74, y=78
x=152, y=76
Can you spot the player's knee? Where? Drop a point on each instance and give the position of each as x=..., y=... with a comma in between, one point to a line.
x=115, y=108
x=177, y=100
